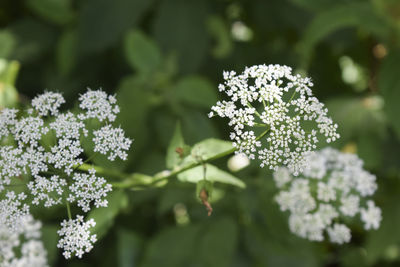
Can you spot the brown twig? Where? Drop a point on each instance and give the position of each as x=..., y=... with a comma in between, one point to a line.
x=204, y=199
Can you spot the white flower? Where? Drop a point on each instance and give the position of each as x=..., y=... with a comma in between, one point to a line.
x=66, y=155
x=42, y=149
x=7, y=119
x=273, y=98
x=48, y=103
x=49, y=190
x=22, y=248
x=308, y=226
x=75, y=237
x=88, y=188
x=12, y=210
x=329, y=189
x=350, y=205
x=10, y=164
x=339, y=233
x=98, y=104
x=111, y=141
x=326, y=192
x=282, y=176
x=327, y=213
x=68, y=126
x=35, y=160
x=29, y=130
x=371, y=216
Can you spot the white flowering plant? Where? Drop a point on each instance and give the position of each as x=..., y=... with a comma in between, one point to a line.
x=333, y=188
x=48, y=159
x=279, y=102
x=42, y=150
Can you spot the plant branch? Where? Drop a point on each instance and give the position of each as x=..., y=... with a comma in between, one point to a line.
x=137, y=179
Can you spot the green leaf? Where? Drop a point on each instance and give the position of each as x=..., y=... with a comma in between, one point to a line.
x=104, y=217
x=212, y=147
x=56, y=11
x=176, y=149
x=212, y=244
x=195, y=90
x=7, y=43
x=196, y=126
x=213, y=174
x=8, y=71
x=338, y=17
x=179, y=27
x=135, y=101
x=8, y=74
x=172, y=247
x=389, y=85
x=141, y=52
x=128, y=248
x=66, y=53
x=103, y=22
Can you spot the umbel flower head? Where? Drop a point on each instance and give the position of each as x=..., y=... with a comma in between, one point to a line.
x=22, y=247
x=274, y=100
x=76, y=237
x=333, y=188
x=42, y=149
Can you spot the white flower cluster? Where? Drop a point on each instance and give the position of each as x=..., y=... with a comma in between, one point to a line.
x=12, y=210
x=272, y=98
x=48, y=103
x=111, y=141
x=332, y=188
x=22, y=248
x=45, y=145
x=98, y=105
x=87, y=188
x=75, y=237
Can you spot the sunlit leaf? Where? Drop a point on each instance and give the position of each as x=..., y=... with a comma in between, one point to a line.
x=212, y=173
x=7, y=43
x=176, y=149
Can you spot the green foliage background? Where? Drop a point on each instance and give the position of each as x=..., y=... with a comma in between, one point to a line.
x=164, y=60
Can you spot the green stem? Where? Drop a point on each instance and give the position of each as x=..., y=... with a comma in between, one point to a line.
x=294, y=93
x=87, y=160
x=255, y=111
x=136, y=179
x=68, y=210
x=103, y=171
x=195, y=164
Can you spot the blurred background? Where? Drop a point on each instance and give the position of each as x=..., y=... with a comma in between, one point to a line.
x=164, y=60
